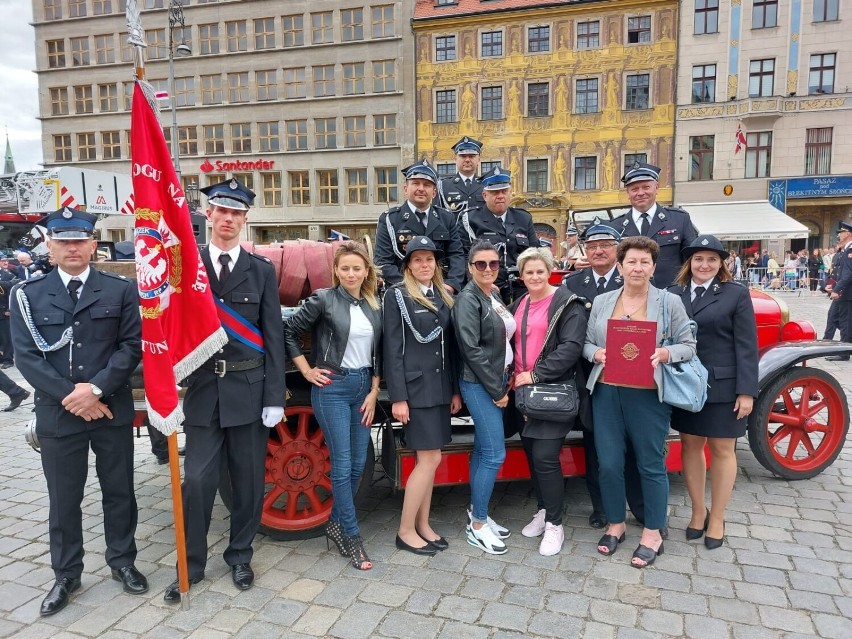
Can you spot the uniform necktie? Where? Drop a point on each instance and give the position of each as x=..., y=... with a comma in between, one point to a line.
x=421, y=215
x=73, y=287
x=502, y=222
x=699, y=291
x=225, y=271
x=429, y=293
x=467, y=181
x=601, y=284
x=644, y=225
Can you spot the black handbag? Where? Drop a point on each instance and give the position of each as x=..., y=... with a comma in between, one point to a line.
x=550, y=402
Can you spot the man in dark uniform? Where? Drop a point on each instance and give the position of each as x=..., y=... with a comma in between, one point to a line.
x=78, y=338
x=669, y=226
x=7, y=281
x=237, y=395
x=600, y=242
x=418, y=216
x=508, y=228
x=463, y=191
x=833, y=320
x=841, y=292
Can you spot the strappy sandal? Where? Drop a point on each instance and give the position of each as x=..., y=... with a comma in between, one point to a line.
x=334, y=533
x=355, y=550
x=646, y=554
x=611, y=543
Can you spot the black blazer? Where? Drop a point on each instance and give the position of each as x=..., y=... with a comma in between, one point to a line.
x=727, y=338
x=424, y=375
x=454, y=196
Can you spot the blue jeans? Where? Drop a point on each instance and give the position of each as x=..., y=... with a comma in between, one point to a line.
x=489, y=445
x=336, y=407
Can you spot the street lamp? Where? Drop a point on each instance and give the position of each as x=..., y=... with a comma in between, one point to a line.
x=182, y=50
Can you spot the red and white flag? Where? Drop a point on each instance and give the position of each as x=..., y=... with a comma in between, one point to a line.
x=741, y=139
x=180, y=327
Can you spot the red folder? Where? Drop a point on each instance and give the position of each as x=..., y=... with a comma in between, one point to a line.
x=629, y=347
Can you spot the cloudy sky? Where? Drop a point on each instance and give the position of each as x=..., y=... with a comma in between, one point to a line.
x=19, y=89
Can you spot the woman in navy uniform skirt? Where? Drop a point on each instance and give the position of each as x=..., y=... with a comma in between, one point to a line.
x=420, y=369
x=727, y=346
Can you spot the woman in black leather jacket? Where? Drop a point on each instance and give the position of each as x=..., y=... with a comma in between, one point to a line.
x=344, y=369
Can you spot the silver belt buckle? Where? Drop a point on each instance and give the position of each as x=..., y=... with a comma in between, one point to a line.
x=220, y=367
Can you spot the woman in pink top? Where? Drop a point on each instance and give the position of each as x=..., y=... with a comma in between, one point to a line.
x=551, y=361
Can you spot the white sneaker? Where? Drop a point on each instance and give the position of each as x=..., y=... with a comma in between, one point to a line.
x=501, y=531
x=551, y=543
x=536, y=526
x=486, y=540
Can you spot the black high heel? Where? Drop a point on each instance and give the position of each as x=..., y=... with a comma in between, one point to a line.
x=712, y=543
x=646, y=554
x=610, y=542
x=355, y=550
x=694, y=533
x=334, y=532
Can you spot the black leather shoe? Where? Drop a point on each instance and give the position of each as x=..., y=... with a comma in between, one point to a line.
x=58, y=596
x=172, y=594
x=162, y=461
x=428, y=549
x=696, y=533
x=664, y=532
x=438, y=544
x=15, y=401
x=597, y=519
x=243, y=576
x=182, y=451
x=134, y=582
x=838, y=358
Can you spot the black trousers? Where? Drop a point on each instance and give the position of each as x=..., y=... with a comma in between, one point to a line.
x=65, y=461
x=6, y=340
x=844, y=320
x=159, y=443
x=244, y=448
x=10, y=387
x=546, y=475
x=632, y=481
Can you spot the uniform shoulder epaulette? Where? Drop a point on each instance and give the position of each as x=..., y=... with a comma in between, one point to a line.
x=261, y=257
x=38, y=277
x=392, y=209
x=572, y=274
x=441, y=209
x=675, y=207
x=114, y=275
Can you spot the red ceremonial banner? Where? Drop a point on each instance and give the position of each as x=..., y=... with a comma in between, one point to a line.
x=629, y=347
x=180, y=327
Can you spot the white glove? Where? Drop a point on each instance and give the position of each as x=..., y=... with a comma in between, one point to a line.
x=272, y=415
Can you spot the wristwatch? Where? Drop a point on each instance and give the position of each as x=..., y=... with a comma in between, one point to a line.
x=97, y=392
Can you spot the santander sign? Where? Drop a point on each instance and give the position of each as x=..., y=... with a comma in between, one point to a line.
x=237, y=165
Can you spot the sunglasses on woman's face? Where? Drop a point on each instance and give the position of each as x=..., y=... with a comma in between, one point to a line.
x=481, y=265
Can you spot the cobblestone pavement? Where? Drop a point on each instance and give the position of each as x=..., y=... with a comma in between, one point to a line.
x=785, y=571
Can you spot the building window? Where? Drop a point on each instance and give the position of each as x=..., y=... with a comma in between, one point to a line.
x=104, y=49
x=758, y=154
x=55, y=54
x=271, y=188
x=245, y=178
x=587, y=96
x=538, y=39
x=327, y=186
x=111, y=145
x=294, y=31
x=384, y=79
x=264, y=33
x=354, y=131
x=764, y=13
x=59, y=101
x=208, y=38
x=585, y=173
x=76, y=8
x=107, y=98
x=266, y=85
x=492, y=44
x=638, y=91
x=322, y=31
x=484, y=168
x=445, y=48
x=128, y=51
x=446, y=3
x=387, y=184
x=83, y=99
x=62, y=148
x=214, y=138
x=701, y=157
x=589, y=34
x=185, y=91
x=86, y=149
x=214, y=178
x=353, y=78
x=294, y=83
x=154, y=4
x=300, y=187
x=761, y=78
x=353, y=24
x=297, y=135
x=211, y=89
x=821, y=77
x=325, y=133
x=445, y=169
x=445, y=106
x=235, y=35
x=384, y=130
x=157, y=47
x=492, y=103
x=706, y=16
x=128, y=96
x=324, y=81
x=188, y=140
x=818, y=151
x=80, y=52
x=53, y=9
x=238, y=89
x=538, y=99
x=632, y=158
x=101, y=7
x=537, y=176
x=383, y=21
x=704, y=83
x=241, y=138
x=639, y=30
x=824, y=10
x=268, y=134
x=356, y=186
